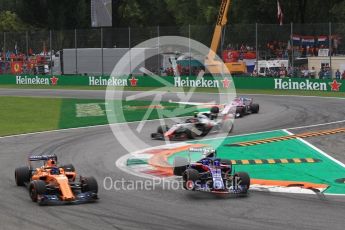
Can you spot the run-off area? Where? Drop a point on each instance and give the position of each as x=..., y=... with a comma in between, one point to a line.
x=282, y=162
x=324, y=171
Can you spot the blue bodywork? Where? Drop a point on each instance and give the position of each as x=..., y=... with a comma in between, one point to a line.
x=213, y=178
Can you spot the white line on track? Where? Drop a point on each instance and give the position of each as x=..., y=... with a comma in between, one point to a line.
x=157, y=91
x=249, y=94
x=274, y=130
x=96, y=126
x=322, y=153
x=85, y=127
x=316, y=149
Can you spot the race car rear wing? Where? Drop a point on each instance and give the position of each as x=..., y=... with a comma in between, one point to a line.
x=42, y=157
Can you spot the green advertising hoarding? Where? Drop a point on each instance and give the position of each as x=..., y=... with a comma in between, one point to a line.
x=178, y=82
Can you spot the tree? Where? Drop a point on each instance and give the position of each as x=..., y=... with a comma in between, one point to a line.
x=9, y=21
x=338, y=11
x=70, y=14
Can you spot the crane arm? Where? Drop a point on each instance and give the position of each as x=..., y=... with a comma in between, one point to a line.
x=221, y=21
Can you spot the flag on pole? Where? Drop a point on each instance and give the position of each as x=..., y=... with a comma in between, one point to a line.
x=296, y=40
x=308, y=40
x=15, y=49
x=322, y=40
x=44, y=49
x=280, y=14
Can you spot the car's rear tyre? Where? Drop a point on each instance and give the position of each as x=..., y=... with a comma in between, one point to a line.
x=36, y=188
x=162, y=129
x=190, y=177
x=205, y=131
x=89, y=184
x=255, y=108
x=180, y=165
x=68, y=168
x=22, y=175
x=190, y=134
x=240, y=111
x=242, y=179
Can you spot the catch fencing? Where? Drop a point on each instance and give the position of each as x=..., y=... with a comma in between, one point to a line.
x=94, y=51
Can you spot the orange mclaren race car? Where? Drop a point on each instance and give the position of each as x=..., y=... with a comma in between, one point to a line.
x=49, y=183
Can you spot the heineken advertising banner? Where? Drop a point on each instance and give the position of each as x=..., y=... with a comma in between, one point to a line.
x=179, y=82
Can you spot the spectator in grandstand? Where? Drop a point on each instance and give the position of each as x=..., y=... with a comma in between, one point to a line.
x=312, y=73
x=305, y=72
x=255, y=73
x=296, y=72
x=321, y=73
x=337, y=74
x=290, y=72
x=286, y=54
x=327, y=73
x=343, y=75
x=243, y=48
x=335, y=46
x=304, y=51
x=169, y=71
x=282, y=72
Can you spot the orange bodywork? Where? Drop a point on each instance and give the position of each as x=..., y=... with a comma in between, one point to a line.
x=60, y=181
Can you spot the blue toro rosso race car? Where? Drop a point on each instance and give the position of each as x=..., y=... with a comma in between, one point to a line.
x=211, y=174
x=49, y=183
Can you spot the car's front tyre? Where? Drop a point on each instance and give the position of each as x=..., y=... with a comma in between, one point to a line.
x=89, y=184
x=22, y=175
x=36, y=188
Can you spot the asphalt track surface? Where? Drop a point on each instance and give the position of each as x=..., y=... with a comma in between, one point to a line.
x=93, y=151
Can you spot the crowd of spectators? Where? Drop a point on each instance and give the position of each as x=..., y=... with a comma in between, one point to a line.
x=282, y=49
x=240, y=47
x=302, y=72
x=278, y=49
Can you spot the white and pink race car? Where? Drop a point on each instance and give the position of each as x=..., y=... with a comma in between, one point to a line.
x=243, y=106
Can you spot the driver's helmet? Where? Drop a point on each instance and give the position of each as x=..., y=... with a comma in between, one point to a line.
x=201, y=117
x=205, y=161
x=55, y=171
x=216, y=162
x=51, y=163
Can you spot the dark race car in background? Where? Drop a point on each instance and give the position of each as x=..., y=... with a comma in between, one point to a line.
x=200, y=125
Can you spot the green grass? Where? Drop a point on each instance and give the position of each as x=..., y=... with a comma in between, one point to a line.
x=24, y=115
x=125, y=111
x=31, y=114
